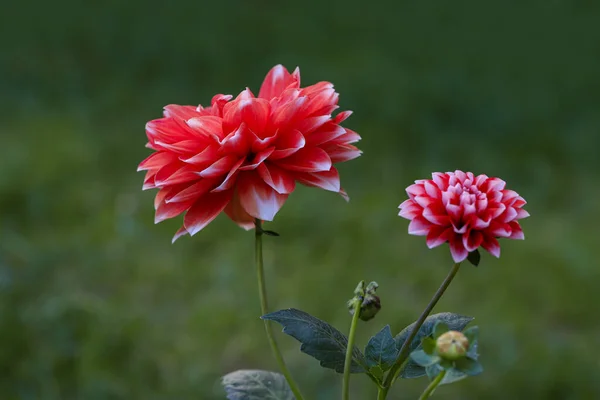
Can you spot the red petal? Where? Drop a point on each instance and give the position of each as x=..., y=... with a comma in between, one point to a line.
x=436, y=214
x=325, y=134
x=180, y=232
x=205, y=157
x=279, y=179
x=276, y=81
x=252, y=111
x=517, y=232
x=258, y=159
x=230, y=179
x=182, y=147
x=181, y=112
x=173, y=174
x=207, y=127
x=311, y=124
x=257, y=198
x=238, y=142
x=327, y=180
x=192, y=192
x=236, y=212
x=342, y=116
x=157, y=160
x=342, y=152
x=220, y=167
x=205, y=210
x=290, y=112
x=170, y=210
x=287, y=144
x=307, y=160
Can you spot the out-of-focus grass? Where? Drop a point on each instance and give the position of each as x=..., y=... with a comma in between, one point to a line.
x=95, y=302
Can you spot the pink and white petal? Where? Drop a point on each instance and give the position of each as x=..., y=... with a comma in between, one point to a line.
x=251, y=111
x=257, y=198
x=149, y=181
x=441, y=180
x=419, y=226
x=238, y=142
x=287, y=114
x=521, y=214
x=491, y=245
x=220, y=167
x=472, y=240
x=509, y=214
x=344, y=195
x=438, y=235
x=181, y=147
x=435, y=214
x=327, y=180
x=499, y=229
x=311, y=159
x=276, y=81
x=180, y=232
x=424, y=201
x=414, y=190
x=457, y=249
x=279, y=179
x=205, y=210
x=517, y=231
x=157, y=160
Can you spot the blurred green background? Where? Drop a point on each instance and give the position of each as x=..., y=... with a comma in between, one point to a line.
x=95, y=301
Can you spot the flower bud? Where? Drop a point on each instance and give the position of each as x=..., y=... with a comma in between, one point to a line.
x=452, y=345
x=370, y=304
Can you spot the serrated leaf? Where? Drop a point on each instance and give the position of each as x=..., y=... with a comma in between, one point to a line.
x=319, y=339
x=423, y=359
x=452, y=375
x=256, y=385
x=381, y=349
x=455, y=322
x=469, y=366
x=439, y=329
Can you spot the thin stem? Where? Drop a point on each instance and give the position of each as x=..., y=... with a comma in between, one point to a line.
x=432, y=385
x=381, y=393
x=264, y=307
x=405, y=349
x=349, y=349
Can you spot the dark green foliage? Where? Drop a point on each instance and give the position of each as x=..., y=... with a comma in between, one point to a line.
x=256, y=385
x=319, y=339
x=452, y=321
x=381, y=349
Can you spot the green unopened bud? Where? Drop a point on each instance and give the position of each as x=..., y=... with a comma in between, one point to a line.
x=452, y=345
x=370, y=304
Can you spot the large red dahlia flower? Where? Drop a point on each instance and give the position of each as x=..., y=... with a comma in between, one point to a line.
x=244, y=156
x=465, y=210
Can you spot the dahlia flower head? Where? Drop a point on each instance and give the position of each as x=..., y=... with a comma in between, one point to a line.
x=244, y=156
x=465, y=210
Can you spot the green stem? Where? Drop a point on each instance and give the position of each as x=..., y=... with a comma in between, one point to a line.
x=432, y=385
x=264, y=307
x=405, y=349
x=381, y=393
x=349, y=349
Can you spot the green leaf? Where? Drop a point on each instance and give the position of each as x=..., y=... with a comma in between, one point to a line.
x=469, y=366
x=377, y=373
x=452, y=375
x=455, y=322
x=381, y=349
x=474, y=257
x=472, y=353
x=439, y=329
x=428, y=344
x=256, y=385
x=423, y=359
x=472, y=334
x=319, y=339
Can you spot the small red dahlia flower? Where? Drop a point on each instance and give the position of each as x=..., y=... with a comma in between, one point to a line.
x=244, y=156
x=465, y=210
